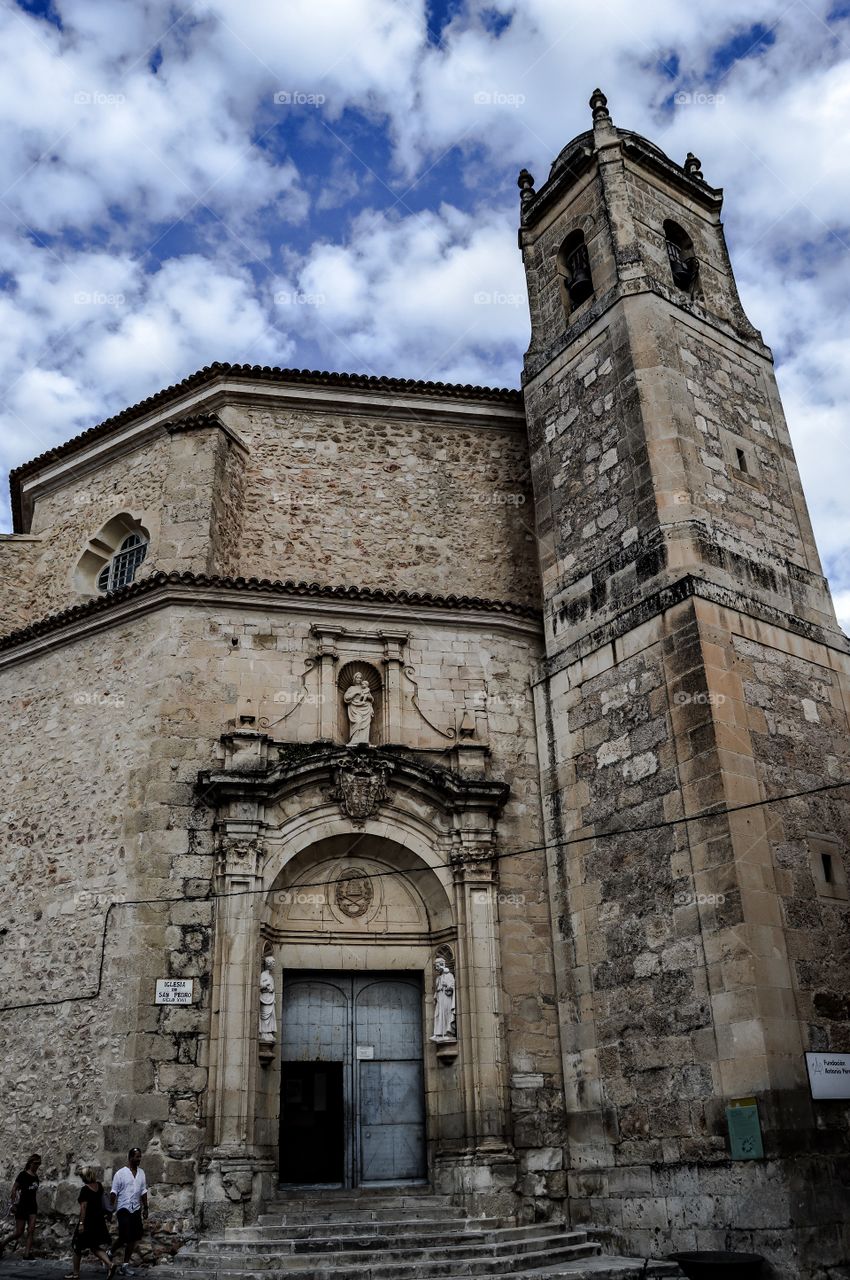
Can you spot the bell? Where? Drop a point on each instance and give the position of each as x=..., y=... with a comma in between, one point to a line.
x=684, y=269
x=579, y=282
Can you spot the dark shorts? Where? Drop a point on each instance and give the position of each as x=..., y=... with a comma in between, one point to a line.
x=25, y=1209
x=129, y=1226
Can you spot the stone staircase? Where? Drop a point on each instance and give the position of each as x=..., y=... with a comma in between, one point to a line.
x=372, y=1236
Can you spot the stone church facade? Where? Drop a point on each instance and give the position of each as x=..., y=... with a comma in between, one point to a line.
x=473, y=753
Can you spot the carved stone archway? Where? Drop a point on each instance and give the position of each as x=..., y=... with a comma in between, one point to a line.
x=281, y=809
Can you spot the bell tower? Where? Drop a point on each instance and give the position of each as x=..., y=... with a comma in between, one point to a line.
x=694, y=712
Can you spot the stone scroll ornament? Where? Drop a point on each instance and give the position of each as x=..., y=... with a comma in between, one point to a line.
x=360, y=706
x=268, y=1002
x=445, y=1025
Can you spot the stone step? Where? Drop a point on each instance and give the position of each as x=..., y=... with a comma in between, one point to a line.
x=328, y=1224
x=494, y=1260
x=339, y=1200
x=337, y=1240
x=359, y=1213
x=337, y=1243
x=604, y=1267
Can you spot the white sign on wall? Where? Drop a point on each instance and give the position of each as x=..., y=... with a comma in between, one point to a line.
x=829, y=1075
x=174, y=990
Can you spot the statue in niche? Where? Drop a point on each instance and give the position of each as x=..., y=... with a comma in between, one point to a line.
x=361, y=708
x=268, y=1002
x=445, y=1027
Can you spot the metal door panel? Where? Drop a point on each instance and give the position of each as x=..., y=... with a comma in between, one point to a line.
x=391, y=1129
x=316, y=1021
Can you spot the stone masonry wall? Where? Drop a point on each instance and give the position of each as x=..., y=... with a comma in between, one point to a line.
x=385, y=501
x=697, y=953
x=366, y=500
x=105, y=739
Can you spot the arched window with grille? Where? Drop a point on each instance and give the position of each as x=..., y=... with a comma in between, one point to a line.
x=121, y=569
x=112, y=557
x=684, y=263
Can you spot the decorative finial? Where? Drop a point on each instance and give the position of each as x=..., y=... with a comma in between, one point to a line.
x=599, y=105
x=693, y=166
x=525, y=182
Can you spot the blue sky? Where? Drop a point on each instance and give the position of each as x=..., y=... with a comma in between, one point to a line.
x=332, y=186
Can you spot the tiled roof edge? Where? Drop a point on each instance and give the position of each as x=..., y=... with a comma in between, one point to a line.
x=289, y=587
x=309, y=377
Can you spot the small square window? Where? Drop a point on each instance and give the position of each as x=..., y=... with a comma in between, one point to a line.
x=828, y=871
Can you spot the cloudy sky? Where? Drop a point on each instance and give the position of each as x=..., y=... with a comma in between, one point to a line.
x=331, y=185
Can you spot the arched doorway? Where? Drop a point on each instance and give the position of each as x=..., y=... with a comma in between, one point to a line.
x=354, y=923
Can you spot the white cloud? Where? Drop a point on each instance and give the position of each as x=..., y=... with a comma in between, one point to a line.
x=442, y=293
x=103, y=154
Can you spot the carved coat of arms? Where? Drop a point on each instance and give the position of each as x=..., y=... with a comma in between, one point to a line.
x=360, y=787
x=354, y=894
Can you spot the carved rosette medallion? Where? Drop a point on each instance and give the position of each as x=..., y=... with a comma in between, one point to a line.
x=354, y=894
x=361, y=787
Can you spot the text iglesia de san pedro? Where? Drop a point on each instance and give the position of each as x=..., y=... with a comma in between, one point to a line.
x=427, y=804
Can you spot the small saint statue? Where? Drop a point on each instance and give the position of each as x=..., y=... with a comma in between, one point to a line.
x=268, y=1013
x=361, y=708
x=445, y=1029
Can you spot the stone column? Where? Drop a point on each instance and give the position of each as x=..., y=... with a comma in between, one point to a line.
x=327, y=656
x=394, y=642
x=480, y=1016
x=237, y=934
x=237, y=1174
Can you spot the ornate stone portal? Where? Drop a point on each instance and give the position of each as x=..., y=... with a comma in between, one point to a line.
x=433, y=846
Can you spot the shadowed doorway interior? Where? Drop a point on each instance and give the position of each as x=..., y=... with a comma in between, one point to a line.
x=312, y=1148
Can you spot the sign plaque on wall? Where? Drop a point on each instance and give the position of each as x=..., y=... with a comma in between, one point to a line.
x=742, y=1116
x=174, y=990
x=365, y=1052
x=829, y=1075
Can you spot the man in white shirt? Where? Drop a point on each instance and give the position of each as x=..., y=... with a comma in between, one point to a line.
x=130, y=1196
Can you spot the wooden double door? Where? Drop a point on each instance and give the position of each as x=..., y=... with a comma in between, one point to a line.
x=352, y=1079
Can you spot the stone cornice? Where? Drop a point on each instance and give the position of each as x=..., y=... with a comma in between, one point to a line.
x=689, y=587
x=280, y=769
x=160, y=589
x=303, y=382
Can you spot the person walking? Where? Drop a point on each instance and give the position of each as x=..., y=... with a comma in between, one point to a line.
x=129, y=1195
x=92, y=1233
x=24, y=1205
